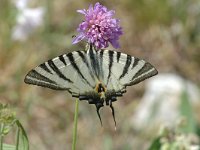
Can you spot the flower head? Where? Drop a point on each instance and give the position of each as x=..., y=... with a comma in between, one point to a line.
x=99, y=28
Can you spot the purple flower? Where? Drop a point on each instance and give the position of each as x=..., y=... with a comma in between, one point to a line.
x=99, y=28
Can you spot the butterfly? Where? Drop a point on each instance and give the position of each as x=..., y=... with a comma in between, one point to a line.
x=97, y=76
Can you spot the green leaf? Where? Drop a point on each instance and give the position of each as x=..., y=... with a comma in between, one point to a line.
x=187, y=112
x=22, y=142
x=155, y=145
x=8, y=147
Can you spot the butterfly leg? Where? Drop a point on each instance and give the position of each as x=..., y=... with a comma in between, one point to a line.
x=98, y=106
x=113, y=112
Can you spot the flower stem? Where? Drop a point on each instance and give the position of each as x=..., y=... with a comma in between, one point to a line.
x=17, y=138
x=1, y=135
x=75, y=125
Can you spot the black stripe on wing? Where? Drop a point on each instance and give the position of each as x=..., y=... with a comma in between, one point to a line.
x=35, y=78
x=82, y=55
x=57, y=71
x=110, y=54
x=44, y=67
x=126, y=67
x=145, y=72
x=118, y=56
x=61, y=58
x=101, y=63
x=34, y=74
x=74, y=65
x=94, y=60
x=135, y=63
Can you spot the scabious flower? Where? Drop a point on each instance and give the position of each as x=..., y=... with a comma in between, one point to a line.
x=99, y=28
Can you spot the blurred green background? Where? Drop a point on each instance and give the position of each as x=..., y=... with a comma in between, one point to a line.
x=163, y=32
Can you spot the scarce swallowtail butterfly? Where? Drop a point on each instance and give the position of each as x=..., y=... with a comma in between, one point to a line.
x=97, y=76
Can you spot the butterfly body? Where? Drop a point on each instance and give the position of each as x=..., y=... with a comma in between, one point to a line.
x=97, y=76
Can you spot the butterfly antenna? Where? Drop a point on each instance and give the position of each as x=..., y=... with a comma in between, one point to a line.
x=98, y=107
x=113, y=113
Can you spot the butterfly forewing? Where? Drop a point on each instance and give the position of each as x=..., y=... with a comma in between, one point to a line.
x=126, y=70
x=66, y=72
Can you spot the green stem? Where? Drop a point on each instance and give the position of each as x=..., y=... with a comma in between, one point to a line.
x=75, y=125
x=17, y=139
x=1, y=135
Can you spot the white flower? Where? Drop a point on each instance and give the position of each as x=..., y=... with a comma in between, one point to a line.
x=28, y=19
x=21, y=4
x=194, y=147
x=161, y=101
